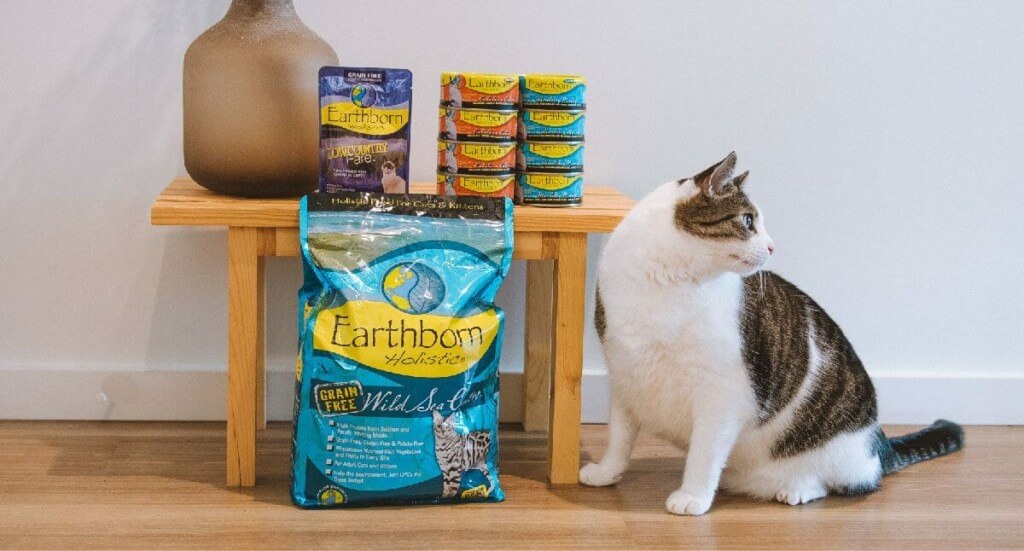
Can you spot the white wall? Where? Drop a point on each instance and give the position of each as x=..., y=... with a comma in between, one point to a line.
x=884, y=141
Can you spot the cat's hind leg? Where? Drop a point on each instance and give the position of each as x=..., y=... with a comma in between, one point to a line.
x=451, y=485
x=799, y=493
x=622, y=430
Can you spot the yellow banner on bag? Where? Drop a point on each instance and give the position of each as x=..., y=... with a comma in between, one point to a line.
x=378, y=335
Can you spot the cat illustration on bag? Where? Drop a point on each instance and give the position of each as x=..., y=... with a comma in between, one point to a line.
x=457, y=453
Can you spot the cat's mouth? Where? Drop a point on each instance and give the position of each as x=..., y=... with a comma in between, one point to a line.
x=743, y=261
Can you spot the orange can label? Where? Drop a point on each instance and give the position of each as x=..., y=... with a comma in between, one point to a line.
x=474, y=157
x=493, y=185
x=479, y=90
x=477, y=124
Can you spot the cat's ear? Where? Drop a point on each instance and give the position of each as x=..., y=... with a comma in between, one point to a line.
x=437, y=417
x=714, y=178
x=738, y=181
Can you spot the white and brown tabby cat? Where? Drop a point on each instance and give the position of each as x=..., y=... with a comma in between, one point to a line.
x=734, y=364
x=457, y=453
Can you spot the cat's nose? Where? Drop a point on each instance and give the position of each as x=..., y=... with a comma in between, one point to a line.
x=771, y=247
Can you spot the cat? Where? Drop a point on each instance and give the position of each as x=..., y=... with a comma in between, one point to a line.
x=734, y=364
x=451, y=131
x=457, y=453
x=393, y=183
x=450, y=162
x=454, y=95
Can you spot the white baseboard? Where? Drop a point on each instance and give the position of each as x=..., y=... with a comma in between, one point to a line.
x=199, y=396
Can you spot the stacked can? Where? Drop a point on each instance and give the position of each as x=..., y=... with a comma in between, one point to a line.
x=551, y=141
x=477, y=129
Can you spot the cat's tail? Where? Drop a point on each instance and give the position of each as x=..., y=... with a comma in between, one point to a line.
x=940, y=438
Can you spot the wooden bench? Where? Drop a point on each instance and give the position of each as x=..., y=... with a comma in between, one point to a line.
x=552, y=240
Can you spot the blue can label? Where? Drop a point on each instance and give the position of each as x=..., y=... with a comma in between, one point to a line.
x=548, y=189
x=551, y=124
x=553, y=91
x=551, y=157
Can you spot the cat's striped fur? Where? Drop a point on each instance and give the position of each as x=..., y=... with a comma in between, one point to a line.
x=734, y=363
x=457, y=453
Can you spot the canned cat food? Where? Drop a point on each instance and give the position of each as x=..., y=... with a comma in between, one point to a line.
x=490, y=185
x=476, y=157
x=547, y=189
x=551, y=124
x=551, y=156
x=477, y=124
x=480, y=90
x=553, y=91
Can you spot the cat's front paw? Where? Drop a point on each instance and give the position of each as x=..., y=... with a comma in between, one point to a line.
x=594, y=474
x=682, y=503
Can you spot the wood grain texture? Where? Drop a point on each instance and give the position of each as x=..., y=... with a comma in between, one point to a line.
x=244, y=346
x=261, y=338
x=567, y=375
x=184, y=202
x=146, y=485
x=539, y=345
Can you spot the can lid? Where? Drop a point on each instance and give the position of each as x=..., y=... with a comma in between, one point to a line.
x=562, y=143
x=550, y=173
x=549, y=109
x=447, y=76
x=503, y=108
x=553, y=77
x=471, y=174
x=507, y=143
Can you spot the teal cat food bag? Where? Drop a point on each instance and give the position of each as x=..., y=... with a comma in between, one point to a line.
x=396, y=396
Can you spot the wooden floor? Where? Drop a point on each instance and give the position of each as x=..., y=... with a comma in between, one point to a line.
x=145, y=485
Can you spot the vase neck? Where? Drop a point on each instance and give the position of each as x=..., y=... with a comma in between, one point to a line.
x=256, y=8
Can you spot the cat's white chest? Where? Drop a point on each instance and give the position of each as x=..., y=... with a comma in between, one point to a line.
x=673, y=349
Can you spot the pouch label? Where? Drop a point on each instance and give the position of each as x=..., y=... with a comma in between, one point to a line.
x=373, y=121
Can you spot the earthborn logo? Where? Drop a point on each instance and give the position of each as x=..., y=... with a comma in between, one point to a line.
x=413, y=288
x=331, y=495
x=364, y=96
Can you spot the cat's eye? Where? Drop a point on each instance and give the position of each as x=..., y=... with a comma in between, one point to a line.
x=748, y=221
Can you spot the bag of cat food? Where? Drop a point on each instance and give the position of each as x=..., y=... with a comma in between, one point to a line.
x=364, y=129
x=396, y=396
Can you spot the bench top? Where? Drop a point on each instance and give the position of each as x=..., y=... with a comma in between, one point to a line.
x=185, y=203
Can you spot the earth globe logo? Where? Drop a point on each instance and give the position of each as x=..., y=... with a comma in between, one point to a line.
x=363, y=96
x=331, y=495
x=413, y=288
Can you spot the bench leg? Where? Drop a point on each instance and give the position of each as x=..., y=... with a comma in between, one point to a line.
x=244, y=282
x=569, y=283
x=261, y=347
x=538, y=358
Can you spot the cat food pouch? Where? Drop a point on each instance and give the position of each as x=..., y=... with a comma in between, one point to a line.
x=396, y=396
x=364, y=129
